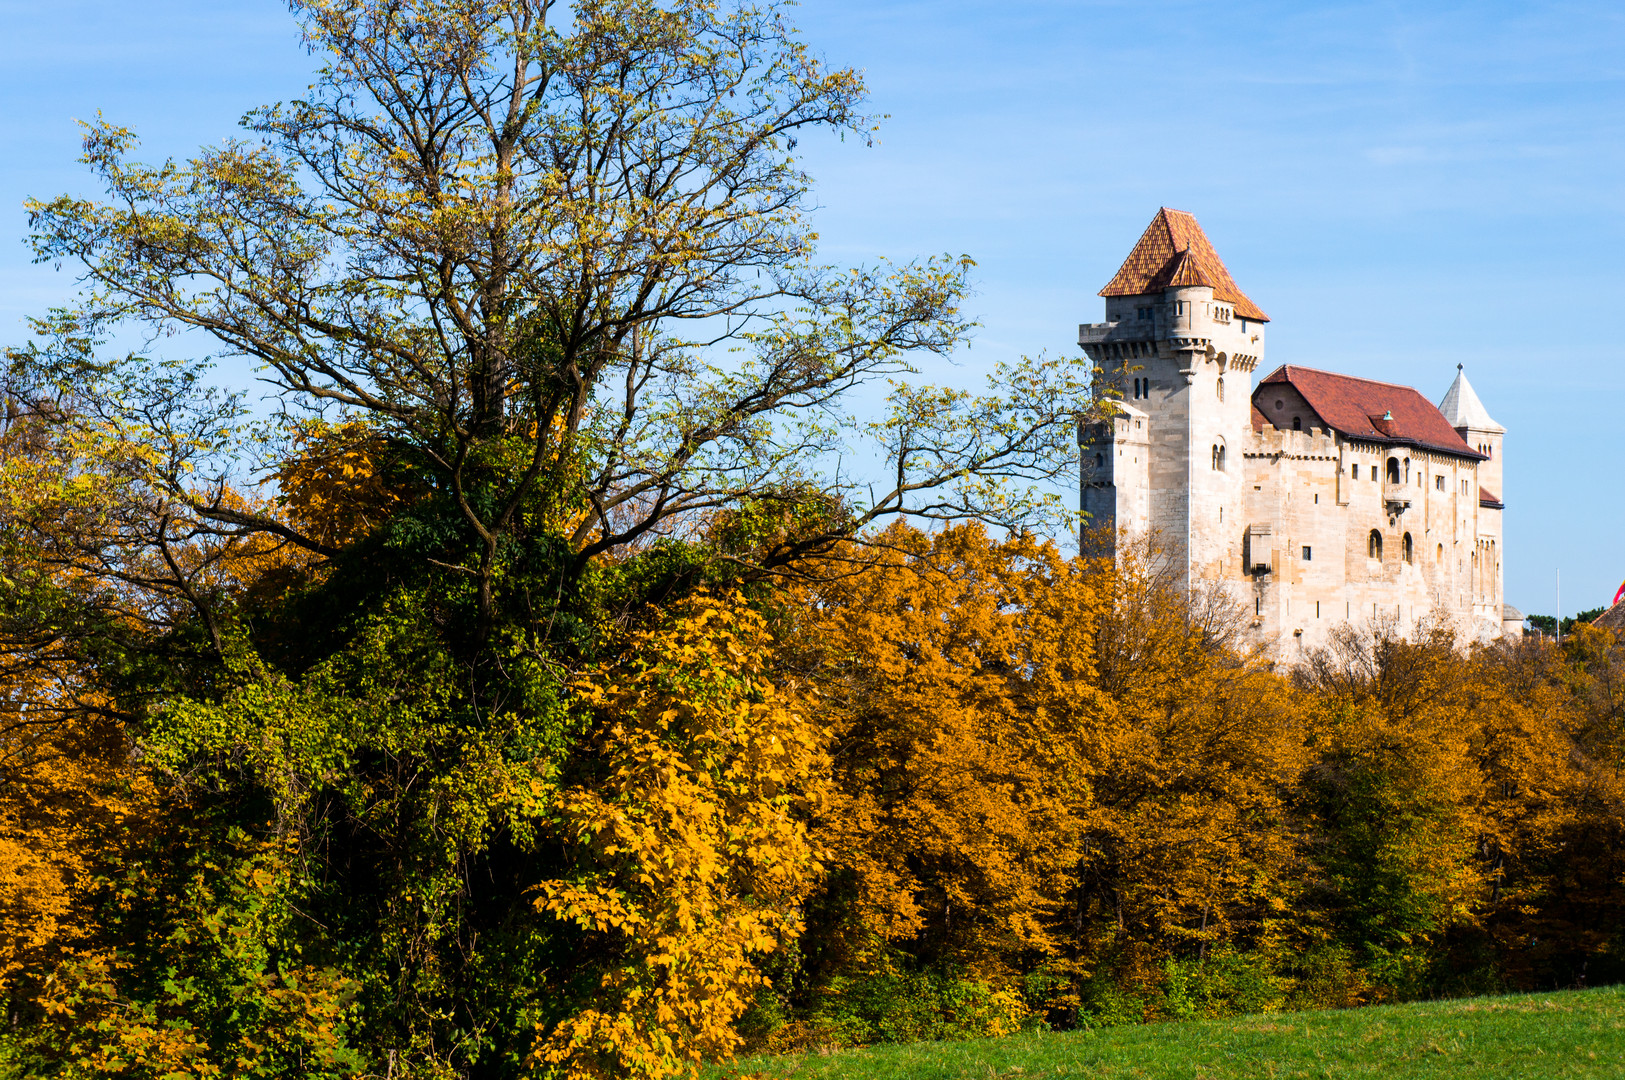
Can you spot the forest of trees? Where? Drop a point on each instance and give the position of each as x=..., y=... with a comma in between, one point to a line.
x=527, y=686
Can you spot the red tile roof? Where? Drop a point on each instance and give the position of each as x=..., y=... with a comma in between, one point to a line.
x=1174, y=251
x=1366, y=409
x=1486, y=499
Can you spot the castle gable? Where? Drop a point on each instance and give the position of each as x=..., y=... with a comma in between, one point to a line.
x=1366, y=409
x=1173, y=252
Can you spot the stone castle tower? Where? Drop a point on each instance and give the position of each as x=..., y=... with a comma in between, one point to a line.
x=1316, y=497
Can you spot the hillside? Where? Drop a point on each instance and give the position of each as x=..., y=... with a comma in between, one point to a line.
x=1538, y=1036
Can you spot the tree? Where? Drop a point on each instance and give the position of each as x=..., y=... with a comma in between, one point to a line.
x=547, y=339
x=1397, y=797
x=954, y=821
x=548, y=267
x=1039, y=763
x=690, y=840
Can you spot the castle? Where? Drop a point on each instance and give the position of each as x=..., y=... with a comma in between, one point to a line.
x=1317, y=498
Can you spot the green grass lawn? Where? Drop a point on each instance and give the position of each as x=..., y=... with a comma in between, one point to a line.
x=1568, y=1034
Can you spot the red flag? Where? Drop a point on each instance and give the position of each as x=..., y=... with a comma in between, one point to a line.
x=1620, y=593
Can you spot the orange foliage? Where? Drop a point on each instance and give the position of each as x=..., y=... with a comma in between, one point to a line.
x=952, y=809
x=338, y=485
x=1037, y=756
x=66, y=796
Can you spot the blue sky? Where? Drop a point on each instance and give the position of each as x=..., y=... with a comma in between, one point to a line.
x=1402, y=187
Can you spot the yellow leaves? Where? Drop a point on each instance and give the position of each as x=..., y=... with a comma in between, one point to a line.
x=691, y=855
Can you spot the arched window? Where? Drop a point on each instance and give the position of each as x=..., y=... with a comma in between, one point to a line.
x=1373, y=546
x=1393, y=470
x=1218, y=458
x=1221, y=387
x=1438, y=557
x=1405, y=549
x=1297, y=423
x=1100, y=461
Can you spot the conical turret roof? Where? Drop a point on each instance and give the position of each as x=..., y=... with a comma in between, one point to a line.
x=1462, y=408
x=1174, y=251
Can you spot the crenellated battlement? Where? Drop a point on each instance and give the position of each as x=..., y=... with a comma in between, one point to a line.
x=1316, y=444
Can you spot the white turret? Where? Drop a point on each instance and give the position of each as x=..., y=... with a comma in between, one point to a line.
x=1465, y=413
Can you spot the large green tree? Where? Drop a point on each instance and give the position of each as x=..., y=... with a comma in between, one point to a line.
x=558, y=260
x=536, y=296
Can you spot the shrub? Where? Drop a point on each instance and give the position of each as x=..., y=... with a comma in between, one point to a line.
x=911, y=1007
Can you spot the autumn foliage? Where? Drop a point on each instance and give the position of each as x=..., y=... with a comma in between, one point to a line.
x=688, y=833
x=532, y=689
x=269, y=812
x=936, y=784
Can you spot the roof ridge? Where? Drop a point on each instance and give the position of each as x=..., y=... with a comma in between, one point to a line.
x=1337, y=375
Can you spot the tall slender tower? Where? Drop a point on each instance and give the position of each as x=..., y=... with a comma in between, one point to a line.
x=1177, y=351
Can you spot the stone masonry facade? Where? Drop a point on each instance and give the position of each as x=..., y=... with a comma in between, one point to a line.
x=1315, y=498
